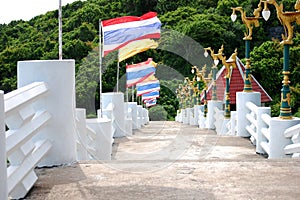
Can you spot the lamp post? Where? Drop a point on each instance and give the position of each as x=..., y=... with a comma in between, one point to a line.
x=179, y=97
x=214, y=77
x=214, y=68
x=196, y=70
x=231, y=62
x=201, y=77
x=286, y=19
x=249, y=23
x=189, y=87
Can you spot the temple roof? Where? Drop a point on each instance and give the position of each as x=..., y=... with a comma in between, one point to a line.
x=236, y=84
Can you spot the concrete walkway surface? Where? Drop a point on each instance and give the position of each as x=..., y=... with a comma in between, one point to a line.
x=169, y=160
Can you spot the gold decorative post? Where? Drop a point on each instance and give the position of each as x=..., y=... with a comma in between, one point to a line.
x=286, y=19
x=249, y=22
x=231, y=62
x=201, y=77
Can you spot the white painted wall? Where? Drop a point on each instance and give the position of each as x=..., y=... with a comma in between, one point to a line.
x=59, y=76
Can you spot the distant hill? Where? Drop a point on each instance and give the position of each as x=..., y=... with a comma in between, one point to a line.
x=206, y=22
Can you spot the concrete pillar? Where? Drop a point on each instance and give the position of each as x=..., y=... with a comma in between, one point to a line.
x=241, y=99
x=277, y=140
x=211, y=112
x=192, y=116
x=128, y=120
x=185, y=116
x=81, y=134
x=133, y=107
x=233, y=118
x=224, y=130
x=196, y=114
x=3, y=165
x=140, y=115
x=202, y=119
x=59, y=75
x=104, y=138
x=261, y=124
x=117, y=99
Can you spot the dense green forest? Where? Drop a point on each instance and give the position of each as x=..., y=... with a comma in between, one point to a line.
x=206, y=22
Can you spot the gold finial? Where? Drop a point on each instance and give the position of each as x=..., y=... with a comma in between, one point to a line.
x=286, y=19
x=248, y=21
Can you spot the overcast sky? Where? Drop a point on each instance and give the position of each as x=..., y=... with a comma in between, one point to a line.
x=26, y=9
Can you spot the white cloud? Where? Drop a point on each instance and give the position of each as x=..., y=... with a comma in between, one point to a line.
x=26, y=9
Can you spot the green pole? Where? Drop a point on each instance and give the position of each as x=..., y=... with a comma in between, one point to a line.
x=285, y=106
x=214, y=89
x=227, y=100
x=247, y=76
x=205, y=103
x=199, y=94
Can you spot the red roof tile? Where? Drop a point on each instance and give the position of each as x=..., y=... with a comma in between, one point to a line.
x=236, y=84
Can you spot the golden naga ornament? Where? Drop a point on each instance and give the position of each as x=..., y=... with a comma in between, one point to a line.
x=286, y=19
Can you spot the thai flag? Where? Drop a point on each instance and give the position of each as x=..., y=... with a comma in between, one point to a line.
x=146, y=87
x=137, y=73
x=150, y=95
x=150, y=102
x=120, y=31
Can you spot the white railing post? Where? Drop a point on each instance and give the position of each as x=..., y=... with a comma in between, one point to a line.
x=128, y=119
x=185, y=116
x=261, y=124
x=211, y=113
x=294, y=134
x=59, y=75
x=202, y=119
x=81, y=134
x=134, y=117
x=116, y=101
x=277, y=139
x=3, y=165
x=233, y=123
x=241, y=99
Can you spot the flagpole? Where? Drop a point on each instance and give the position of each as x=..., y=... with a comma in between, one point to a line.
x=118, y=72
x=127, y=98
x=132, y=93
x=60, y=31
x=100, y=70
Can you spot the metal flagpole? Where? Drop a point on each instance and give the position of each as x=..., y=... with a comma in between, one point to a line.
x=118, y=72
x=60, y=31
x=127, y=98
x=132, y=93
x=100, y=69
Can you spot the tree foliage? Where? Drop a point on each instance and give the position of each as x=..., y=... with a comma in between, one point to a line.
x=206, y=22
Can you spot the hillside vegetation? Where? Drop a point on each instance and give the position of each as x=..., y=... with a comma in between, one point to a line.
x=205, y=21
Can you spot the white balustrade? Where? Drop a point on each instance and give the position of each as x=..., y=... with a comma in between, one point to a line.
x=3, y=164
x=257, y=127
x=134, y=115
x=59, y=76
x=211, y=105
x=128, y=120
x=294, y=134
x=113, y=108
x=24, y=123
x=241, y=100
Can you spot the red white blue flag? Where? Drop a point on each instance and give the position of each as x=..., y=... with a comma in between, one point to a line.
x=146, y=87
x=137, y=73
x=120, y=31
x=150, y=102
x=150, y=95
